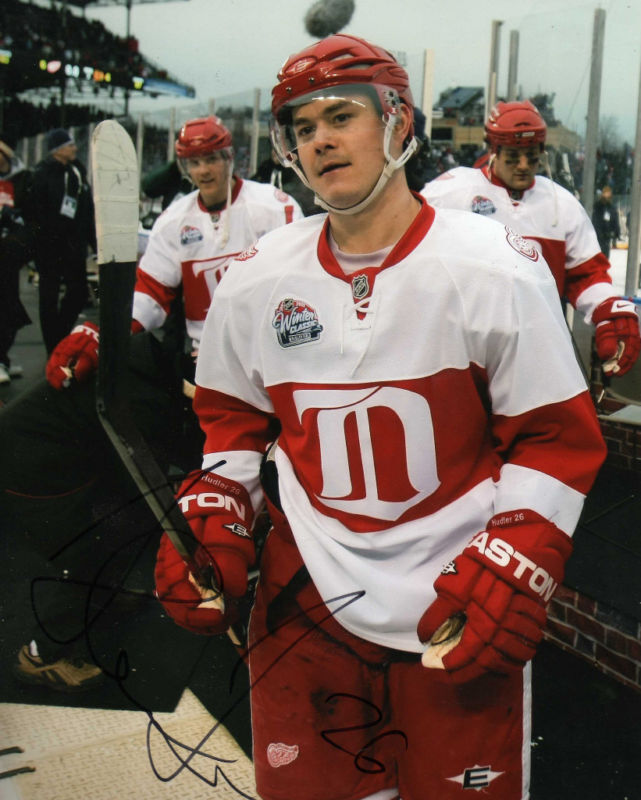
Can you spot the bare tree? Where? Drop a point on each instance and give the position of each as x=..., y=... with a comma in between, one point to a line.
x=609, y=139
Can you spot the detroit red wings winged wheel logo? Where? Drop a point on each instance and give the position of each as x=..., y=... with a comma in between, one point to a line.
x=521, y=245
x=279, y=754
x=296, y=322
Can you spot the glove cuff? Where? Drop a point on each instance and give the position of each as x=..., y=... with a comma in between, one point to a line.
x=613, y=308
x=525, y=550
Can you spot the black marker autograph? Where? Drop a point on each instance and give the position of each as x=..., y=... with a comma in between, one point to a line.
x=185, y=755
x=362, y=762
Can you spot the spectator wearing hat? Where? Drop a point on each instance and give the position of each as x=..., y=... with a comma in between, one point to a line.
x=65, y=227
x=605, y=218
x=15, y=250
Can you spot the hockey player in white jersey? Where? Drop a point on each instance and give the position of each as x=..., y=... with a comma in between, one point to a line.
x=436, y=443
x=190, y=246
x=507, y=188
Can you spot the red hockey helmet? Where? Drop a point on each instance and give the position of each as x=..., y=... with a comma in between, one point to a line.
x=199, y=137
x=515, y=124
x=334, y=61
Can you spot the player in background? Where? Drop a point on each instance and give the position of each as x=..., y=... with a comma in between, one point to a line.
x=430, y=462
x=190, y=246
x=507, y=188
x=61, y=481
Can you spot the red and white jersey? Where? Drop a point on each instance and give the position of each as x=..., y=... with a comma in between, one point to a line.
x=548, y=215
x=189, y=245
x=416, y=399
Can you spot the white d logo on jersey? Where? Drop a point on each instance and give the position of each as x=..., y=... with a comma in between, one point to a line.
x=333, y=407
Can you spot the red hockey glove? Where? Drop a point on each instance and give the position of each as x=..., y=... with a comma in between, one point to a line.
x=616, y=335
x=220, y=515
x=76, y=356
x=501, y=582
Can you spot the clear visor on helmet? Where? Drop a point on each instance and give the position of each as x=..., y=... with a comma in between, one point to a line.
x=188, y=164
x=334, y=108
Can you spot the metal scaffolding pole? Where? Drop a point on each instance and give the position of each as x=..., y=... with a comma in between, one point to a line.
x=592, y=128
x=634, y=234
x=513, y=66
x=427, y=102
x=492, y=81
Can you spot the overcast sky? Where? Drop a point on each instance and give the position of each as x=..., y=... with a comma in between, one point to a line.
x=224, y=47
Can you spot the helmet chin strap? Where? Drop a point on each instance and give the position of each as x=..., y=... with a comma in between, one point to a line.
x=391, y=165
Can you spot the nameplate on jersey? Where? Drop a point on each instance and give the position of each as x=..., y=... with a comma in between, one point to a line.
x=296, y=322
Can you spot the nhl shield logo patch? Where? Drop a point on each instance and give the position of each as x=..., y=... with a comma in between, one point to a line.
x=360, y=286
x=296, y=322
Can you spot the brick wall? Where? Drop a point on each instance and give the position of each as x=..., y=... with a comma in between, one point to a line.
x=598, y=633
x=623, y=441
x=594, y=630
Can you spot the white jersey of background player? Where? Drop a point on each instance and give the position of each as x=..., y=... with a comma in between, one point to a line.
x=425, y=389
x=508, y=189
x=191, y=245
x=196, y=237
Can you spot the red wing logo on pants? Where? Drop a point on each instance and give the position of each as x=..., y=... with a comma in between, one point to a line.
x=279, y=754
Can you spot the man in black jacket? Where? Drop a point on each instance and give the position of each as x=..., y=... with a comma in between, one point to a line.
x=605, y=219
x=65, y=226
x=15, y=250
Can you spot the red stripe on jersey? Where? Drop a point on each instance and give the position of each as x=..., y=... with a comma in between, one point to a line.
x=578, y=279
x=200, y=279
x=230, y=424
x=572, y=282
x=147, y=284
x=414, y=446
x=548, y=439
x=395, y=444
x=289, y=214
x=554, y=253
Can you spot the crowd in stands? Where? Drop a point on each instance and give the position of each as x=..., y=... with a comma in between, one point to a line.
x=56, y=33
x=59, y=33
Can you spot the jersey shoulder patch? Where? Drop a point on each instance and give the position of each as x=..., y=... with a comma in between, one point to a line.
x=521, y=245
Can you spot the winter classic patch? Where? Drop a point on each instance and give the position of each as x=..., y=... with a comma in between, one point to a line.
x=189, y=235
x=296, y=322
x=483, y=205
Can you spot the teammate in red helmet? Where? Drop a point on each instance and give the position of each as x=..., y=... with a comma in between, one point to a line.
x=430, y=466
x=509, y=189
x=191, y=244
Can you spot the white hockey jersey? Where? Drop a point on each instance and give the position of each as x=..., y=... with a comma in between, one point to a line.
x=192, y=246
x=417, y=399
x=548, y=215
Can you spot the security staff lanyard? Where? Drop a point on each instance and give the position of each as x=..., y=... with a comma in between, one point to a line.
x=69, y=203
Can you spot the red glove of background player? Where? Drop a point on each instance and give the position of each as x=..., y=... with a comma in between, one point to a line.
x=616, y=321
x=502, y=582
x=220, y=515
x=77, y=352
